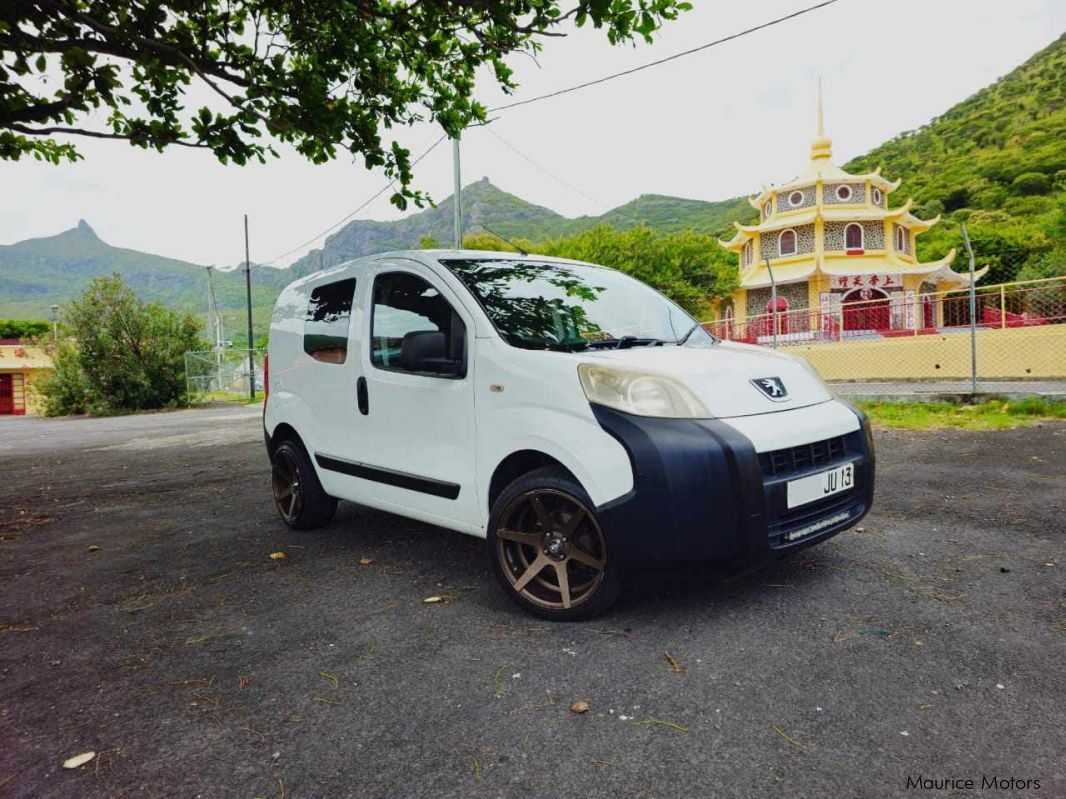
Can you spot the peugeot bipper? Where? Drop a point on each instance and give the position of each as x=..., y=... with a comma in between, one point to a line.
x=575, y=418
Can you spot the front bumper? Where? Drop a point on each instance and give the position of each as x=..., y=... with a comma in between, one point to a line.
x=701, y=493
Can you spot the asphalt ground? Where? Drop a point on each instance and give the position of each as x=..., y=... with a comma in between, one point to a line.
x=142, y=618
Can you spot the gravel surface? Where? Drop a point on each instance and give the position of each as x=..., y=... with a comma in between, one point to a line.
x=142, y=618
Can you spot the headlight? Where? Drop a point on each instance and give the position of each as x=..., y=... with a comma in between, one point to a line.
x=640, y=393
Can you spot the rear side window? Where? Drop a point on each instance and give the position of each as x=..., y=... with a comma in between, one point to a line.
x=329, y=315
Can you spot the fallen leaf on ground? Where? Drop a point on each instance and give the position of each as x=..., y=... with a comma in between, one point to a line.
x=17, y=628
x=432, y=600
x=279, y=555
x=497, y=683
x=669, y=724
x=79, y=760
x=364, y=561
x=784, y=735
x=580, y=706
x=675, y=667
x=94, y=548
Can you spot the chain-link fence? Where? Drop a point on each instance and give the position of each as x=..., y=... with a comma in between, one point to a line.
x=222, y=373
x=1019, y=333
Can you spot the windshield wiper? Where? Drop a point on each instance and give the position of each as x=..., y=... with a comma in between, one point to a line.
x=624, y=343
x=565, y=346
x=685, y=337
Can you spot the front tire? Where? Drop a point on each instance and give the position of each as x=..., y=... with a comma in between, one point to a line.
x=547, y=548
x=299, y=497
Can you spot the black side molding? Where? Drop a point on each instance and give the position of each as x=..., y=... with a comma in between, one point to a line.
x=412, y=482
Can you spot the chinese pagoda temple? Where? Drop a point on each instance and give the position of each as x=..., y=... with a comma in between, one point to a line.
x=838, y=253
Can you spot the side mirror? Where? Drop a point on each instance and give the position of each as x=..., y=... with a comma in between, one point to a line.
x=427, y=351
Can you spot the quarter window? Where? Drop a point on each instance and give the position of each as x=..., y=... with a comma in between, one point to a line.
x=853, y=238
x=795, y=199
x=414, y=329
x=329, y=315
x=786, y=242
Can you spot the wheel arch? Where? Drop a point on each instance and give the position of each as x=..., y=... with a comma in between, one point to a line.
x=284, y=432
x=518, y=463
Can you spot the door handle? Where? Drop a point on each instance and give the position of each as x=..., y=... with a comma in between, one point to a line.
x=361, y=396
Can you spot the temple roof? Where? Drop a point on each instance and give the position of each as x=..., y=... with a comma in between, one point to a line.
x=901, y=215
x=822, y=168
x=938, y=272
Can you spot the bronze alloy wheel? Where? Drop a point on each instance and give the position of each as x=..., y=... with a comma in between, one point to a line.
x=285, y=480
x=551, y=549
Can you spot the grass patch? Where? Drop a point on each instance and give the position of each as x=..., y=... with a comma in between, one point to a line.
x=227, y=396
x=996, y=414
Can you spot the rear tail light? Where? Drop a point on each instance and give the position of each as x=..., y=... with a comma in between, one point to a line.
x=266, y=378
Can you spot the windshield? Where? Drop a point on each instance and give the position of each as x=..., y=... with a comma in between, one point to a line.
x=568, y=307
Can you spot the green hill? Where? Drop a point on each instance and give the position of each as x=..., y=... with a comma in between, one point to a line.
x=996, y=161
x=483, y=204
x=487, y=207
x=665, y=214
x=36, y=273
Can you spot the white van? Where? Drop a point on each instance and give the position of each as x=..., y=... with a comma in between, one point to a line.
x=574, y=417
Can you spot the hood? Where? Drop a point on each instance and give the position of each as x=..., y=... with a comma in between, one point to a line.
x=726, y=376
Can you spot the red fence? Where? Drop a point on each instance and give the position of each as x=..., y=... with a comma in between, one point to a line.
x=1010, y=305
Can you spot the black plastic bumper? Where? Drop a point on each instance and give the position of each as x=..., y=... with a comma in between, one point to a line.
x=699, y=493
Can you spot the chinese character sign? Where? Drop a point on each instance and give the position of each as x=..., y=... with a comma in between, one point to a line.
x=874, y=281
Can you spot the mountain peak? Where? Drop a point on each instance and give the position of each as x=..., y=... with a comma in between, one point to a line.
x=85, y=229
x=481, y=188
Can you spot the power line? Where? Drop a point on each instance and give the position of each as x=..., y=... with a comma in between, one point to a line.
x=545, y=170
x=369, y=200
x=668, y=58
x=616, y=211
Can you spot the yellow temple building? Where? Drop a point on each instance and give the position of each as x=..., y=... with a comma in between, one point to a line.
x=842, y=259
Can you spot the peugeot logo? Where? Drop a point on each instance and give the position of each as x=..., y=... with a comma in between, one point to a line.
x=772, y=387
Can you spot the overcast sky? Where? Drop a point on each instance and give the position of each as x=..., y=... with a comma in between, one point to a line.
x=709, y=126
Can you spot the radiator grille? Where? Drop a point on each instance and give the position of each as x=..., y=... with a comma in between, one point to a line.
x=792, y=460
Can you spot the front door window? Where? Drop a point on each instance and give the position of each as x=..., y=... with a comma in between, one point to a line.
x=414, y=329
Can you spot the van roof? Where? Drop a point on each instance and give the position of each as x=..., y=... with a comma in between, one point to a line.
x=440, y=255
x=454, y=254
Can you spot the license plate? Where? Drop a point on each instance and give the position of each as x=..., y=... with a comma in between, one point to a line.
x=821, y=485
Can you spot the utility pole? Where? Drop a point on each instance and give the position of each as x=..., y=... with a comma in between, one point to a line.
x=248, y=298
x=458, y=202
x=214, y=328
x=55, y=324
x=773, y=301
x=973, y=312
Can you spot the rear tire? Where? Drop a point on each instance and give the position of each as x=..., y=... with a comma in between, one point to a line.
x=547, y=549
x=299, y=497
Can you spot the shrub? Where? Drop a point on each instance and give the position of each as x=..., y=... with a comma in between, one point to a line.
x=119, y=353
x=24, y=328
x=1031, y=183
x=66, y=390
